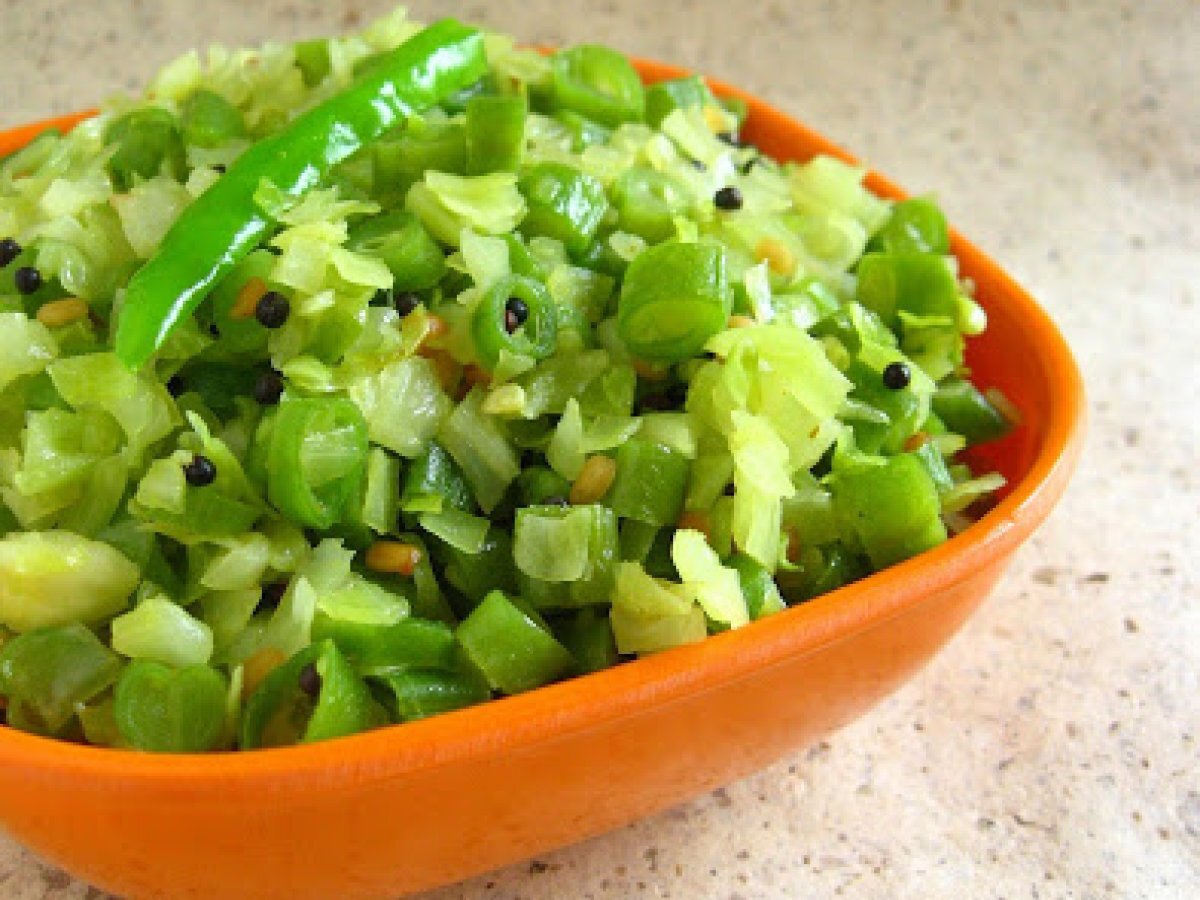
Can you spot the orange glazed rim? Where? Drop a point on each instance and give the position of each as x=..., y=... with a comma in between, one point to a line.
x=638, y=686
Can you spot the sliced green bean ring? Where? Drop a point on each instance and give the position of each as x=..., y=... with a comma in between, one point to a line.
x=316, y=459
x=648, y=202
x=209, y=119
x=535, y=337
x=599, y=83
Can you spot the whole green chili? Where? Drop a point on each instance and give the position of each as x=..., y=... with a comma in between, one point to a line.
x=46, y=673
x=224, y=224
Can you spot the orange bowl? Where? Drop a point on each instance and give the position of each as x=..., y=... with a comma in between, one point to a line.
x=411, y=807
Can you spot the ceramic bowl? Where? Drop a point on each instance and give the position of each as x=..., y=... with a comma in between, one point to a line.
x=411, y=807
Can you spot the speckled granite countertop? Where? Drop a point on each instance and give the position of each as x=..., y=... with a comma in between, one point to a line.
x=1051, y=749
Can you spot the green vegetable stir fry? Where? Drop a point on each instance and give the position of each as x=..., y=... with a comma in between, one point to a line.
x=360, y=380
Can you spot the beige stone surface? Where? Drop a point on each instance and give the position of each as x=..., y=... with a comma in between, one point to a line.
x=1051, y=749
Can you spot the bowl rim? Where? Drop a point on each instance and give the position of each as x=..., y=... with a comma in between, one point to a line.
x=637, y=687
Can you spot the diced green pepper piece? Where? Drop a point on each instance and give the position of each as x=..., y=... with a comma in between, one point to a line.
x=475, y=574
x=145, y=550
x=344, y=702
x=758, y=587
x=935, y=464
x=904, y=408
x=964, y=410
x=648, y=202
x=381, y=495
x=98, y=722
x=599, y=256
x=409, y=643
x=520, y=260
x=658, y=561
x=513, y=651
x=917, y=225
x=674, y=298
x=433, y=481
x=636, y=540
x=168, y=710
x=46, y=674
x=462, y=531
x=219, y=384
x=208, y=119
x=821, y=570
x=537, y=485
x=599, y=83
x=421, y=693
x=564, y=203
x=599, y=554
x=441, y=147
x=147, y=141
x=482, y=450
x=891, y=506
x=665, y=97
x=720, y=526
x=650, y=484
x=399, y=239
x=314, y=696
x=584, y=132
x=917, y=283
x=426, y=598
x=495, y=134
x=317, y=460
x=588, y=635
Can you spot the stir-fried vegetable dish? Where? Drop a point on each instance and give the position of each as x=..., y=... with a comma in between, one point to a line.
x=359, y=380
